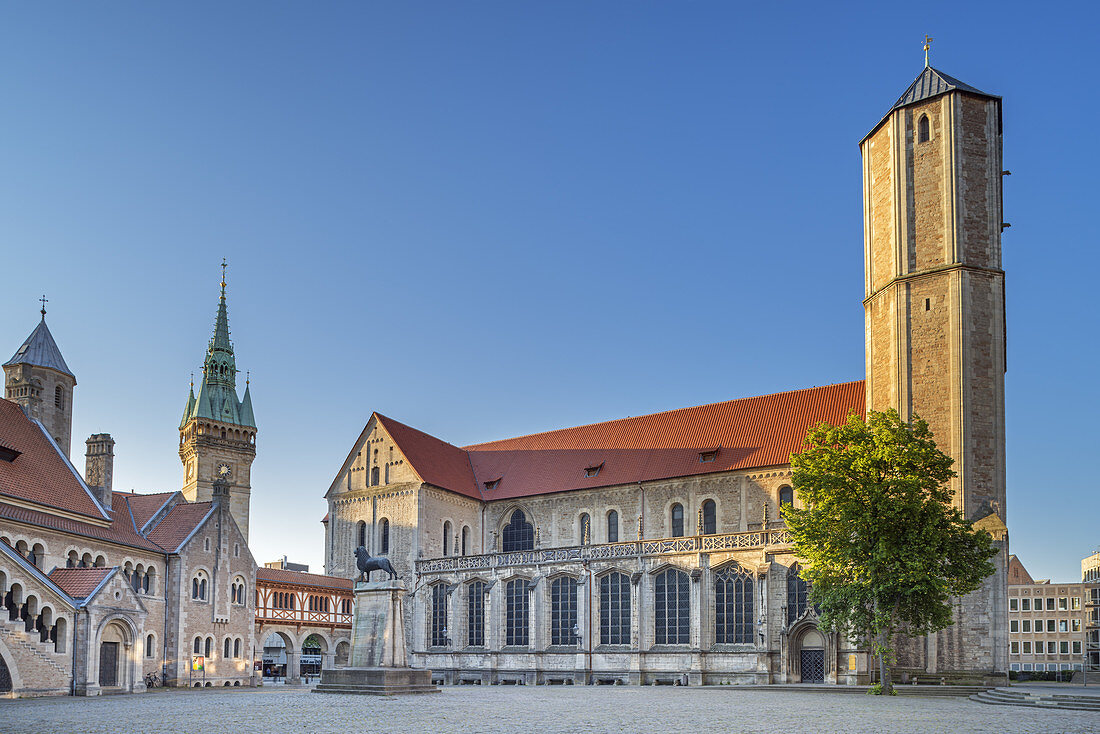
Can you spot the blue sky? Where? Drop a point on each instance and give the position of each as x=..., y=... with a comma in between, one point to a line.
x=493, y=218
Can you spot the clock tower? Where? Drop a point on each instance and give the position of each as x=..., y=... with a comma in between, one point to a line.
x=218, y=431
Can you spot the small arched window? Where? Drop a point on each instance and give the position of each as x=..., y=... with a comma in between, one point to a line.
x=237, y=647
x=149, y=646
x=923, y=130
x=209, y=647
x=586, y=529
x=786, y=497
x=710, y=518
x=226, y=648
x=677, y=520
x=374, y=476
x=384, y=541
x=361, y=533
x=465, y=539
x=58, y=398
x=198, y=586
x=197, y=648
x=613, y=527
x=447, y=538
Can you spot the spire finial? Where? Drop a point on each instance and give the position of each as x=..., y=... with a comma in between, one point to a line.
x=44, y=300
x=192, y=380
x=224, y=265
x=927, y=45
x=247, y=377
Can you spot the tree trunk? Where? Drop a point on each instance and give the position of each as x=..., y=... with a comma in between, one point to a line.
x=885, y=667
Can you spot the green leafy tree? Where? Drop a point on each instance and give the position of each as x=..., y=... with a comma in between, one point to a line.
x=883, y=546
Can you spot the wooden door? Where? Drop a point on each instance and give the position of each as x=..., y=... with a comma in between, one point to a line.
x=108, y=664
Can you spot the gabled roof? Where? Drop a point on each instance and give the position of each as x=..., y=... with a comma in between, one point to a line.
x=80, y=583
x=178, y=525
x=41, y=350
x=41, y=473
x=281, y=576
x=737, y=434
x=435, y=462
x=142, y=506
x=928, y=84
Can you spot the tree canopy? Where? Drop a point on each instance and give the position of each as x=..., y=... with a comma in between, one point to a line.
x=883, y=545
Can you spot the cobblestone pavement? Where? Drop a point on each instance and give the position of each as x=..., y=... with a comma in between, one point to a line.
x=524, y=709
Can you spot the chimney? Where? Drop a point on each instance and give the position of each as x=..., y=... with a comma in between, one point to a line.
x=220, y=495
x=99, y=468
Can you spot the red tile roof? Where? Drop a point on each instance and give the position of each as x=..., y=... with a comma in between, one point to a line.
x=120, y=531
x=436, y=462
x=40, y=474
x=747, y=433
x=179, y=523
x=280, y=576
x=79, y=582
x=143, y=506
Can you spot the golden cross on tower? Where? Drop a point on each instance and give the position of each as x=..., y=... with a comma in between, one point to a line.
x=927, y=45
x=43, y=299
x=223, y=275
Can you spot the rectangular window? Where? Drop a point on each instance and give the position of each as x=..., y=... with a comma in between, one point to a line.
x=1013, y=605
x=1025, y=605
x=1027, y=649
x=1075, y=603
x=517, y=627
x=1015, y=648
x=1014, y=625
x=1063, y=625
x=1063, y=603
x=1050, y=603
x=1075, y=625
x=1063, y=647
x=563, y=611
x=475, y=614
x=1050, y=625
x=1076, y=647
x=1027, y=666
x=1026, y=625
x=1015, y=666
x=1038, y=625
x=439, y=615
x=615, y=609
x=1052, y=647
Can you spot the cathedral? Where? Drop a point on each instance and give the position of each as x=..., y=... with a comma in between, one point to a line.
x=652, y=550
x=102, y=591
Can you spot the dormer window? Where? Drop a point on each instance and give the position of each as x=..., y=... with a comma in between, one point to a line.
x=7, y=454
x=591, y=471
x=492, y=484
x=706, y=457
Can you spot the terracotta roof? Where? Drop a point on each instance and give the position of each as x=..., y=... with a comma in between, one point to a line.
x=40, y=474
x=79, y=582
x=179, y=523
x=279, y=576
x=120, y=531
x=436, y=462
x=325, y=518
x=742, y=434
x=143, y=506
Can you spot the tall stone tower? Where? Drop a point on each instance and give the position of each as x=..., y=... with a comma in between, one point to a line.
x=935, y=319
x=218, y=431
x=38, y=379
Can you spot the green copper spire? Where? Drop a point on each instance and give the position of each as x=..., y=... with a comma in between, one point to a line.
x=217, y=398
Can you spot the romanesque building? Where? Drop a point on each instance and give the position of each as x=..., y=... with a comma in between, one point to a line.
x=653, y=549
x=100, y=588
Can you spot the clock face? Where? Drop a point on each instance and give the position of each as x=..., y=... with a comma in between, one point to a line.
x=224, y=470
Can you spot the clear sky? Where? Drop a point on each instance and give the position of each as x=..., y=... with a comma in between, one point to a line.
x=493, y=218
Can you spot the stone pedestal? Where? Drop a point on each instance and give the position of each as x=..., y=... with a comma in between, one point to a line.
x=378, y=664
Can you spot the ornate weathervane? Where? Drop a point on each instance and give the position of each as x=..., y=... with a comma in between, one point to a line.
x=927, y=45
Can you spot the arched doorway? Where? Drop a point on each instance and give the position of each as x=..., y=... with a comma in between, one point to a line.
x=5, y=676
x=114, y=657
x=312, y=649
x=812, y=656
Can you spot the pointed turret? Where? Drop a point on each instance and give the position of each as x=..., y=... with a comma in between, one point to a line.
x=247, y=416
x=39, y=381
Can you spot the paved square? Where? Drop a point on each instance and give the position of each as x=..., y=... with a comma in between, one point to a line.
x=711, y=710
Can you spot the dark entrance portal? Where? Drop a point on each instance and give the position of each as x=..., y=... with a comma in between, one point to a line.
x=108, y=664
x=5, y=677
x=813, y=666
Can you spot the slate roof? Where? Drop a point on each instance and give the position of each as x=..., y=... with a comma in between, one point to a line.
x=79, y=583
x=178, y=524
x=281, y=576
x=40, y=474
x=40, y=350
x=747, y=433
x=928, y=84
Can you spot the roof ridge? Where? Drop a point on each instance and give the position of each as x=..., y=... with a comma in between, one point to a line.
x=413, y=428
x=474, y=446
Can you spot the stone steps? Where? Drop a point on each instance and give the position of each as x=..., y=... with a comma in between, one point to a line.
x=1008, y=697
x=902, y=690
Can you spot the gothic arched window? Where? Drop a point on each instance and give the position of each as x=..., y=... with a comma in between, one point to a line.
x=797, y=594
x=924, y=133
x=710, y=518
x=613, y=527
x=615, y=609
x=672, y=616
x=475, y=614
x=677, y=520
x=517, y=622
x=563, y=611
x=519, y=535
x=447, y=538
x=586, y=529
x=384, y=541
x=733, y=621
